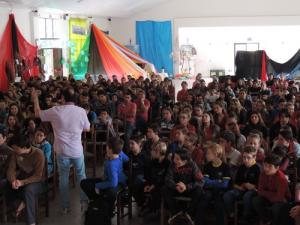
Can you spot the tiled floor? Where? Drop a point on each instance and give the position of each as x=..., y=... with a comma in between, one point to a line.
x=74, y=218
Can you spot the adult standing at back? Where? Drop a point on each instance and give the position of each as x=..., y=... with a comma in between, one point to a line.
x=68, y=122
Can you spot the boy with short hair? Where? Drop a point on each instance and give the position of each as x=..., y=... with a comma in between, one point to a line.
x=25, y=174
x=41, y=143
x=155, y=176
x=254, y=140
x=114, y=177
x=183, y=179
x=273, y=192
x=139, y=163
x=152, y=138
x=227, y=141
x=245, y=184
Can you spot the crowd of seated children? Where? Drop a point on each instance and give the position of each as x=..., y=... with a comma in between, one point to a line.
x=216, y=112
x=106, y=188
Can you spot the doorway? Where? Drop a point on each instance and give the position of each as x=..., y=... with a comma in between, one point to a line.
x=51, y=62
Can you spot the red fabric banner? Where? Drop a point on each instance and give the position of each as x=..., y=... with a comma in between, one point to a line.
x=264, y=76
x=28, y=53
x=7, y=71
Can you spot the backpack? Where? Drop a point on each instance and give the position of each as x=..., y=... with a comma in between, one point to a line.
x=97, y=214
x=181, y=218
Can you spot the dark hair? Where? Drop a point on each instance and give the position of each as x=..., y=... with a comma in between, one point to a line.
x=154, y=127
x=183, y=154
x=138, y=139
x=249, y=150
x=86, y=106
x=280, y=150
x=284, y=113
x=20, y=140
x=167, y=109
x=287, y=134
x=42, y=130
x=273, y=159
x=228, y=136
x=3, y=133
x=116, y=144
x=85, y=94
x=101, y=92
x=68, y=95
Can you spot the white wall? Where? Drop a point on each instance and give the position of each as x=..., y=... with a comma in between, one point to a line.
x=102, y=23
x=215, y=45
x=209, y=13
x=23, y=20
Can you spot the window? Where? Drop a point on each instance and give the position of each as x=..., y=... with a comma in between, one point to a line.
x=48, y=28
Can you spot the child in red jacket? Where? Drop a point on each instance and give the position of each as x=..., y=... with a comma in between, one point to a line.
x=273, y=192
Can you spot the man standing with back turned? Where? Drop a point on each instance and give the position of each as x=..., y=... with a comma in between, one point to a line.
x=68, y=122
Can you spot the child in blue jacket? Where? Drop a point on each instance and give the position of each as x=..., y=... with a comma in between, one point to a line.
x=114, y=177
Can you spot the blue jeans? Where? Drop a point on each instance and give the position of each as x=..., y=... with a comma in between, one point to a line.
x=230, y=197
x=64, y=164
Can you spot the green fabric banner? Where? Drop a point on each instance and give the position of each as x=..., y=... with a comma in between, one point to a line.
x=80, y=65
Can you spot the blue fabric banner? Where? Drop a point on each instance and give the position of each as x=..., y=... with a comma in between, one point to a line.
x=155, y=43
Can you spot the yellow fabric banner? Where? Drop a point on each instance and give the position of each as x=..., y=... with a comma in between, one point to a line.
x=78, y=31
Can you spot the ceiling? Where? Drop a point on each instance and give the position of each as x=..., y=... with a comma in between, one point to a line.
x=109, y=8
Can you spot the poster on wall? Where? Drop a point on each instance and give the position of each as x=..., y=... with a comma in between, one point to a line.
x=78, y=32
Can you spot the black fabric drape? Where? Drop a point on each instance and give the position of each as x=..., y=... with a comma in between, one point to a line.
x=248, y=64
x=95, y=63
x=287, y=67
x=15, y=40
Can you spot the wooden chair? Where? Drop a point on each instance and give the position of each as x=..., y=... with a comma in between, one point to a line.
x=90, y=155
x=44, y=195
x=99, y=142
x=124, y=198
x=163, y=213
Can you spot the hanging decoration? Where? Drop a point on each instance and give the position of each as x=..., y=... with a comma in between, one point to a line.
x=78, y=31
